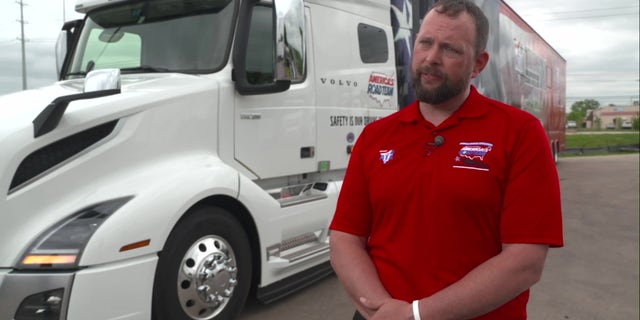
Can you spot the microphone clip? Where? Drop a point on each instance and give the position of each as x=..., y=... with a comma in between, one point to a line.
x=432, y=146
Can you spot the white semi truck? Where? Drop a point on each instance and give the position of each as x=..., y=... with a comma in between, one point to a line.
x=190, y=154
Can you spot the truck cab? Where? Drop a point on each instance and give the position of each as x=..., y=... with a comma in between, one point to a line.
x=190, y=154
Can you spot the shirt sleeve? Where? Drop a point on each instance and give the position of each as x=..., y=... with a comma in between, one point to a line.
x=531, y=211
x=353, y=210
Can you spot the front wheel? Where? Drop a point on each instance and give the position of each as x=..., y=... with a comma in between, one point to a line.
x=204, y=270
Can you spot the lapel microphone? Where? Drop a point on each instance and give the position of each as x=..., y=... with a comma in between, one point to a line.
x=431, y=146
x=438, y=141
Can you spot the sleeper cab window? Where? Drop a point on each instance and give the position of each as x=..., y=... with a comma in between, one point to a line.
x=373, y=44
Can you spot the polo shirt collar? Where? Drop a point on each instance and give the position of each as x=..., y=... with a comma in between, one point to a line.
x=472, y=107
x=412, y=114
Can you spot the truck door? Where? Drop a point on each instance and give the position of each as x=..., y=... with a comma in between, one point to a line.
x=275, y=133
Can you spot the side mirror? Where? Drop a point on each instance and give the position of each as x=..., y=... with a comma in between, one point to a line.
x=65, y=43
x=290, y=39
x=103, y=79
x=61, y=50
x=288, y=45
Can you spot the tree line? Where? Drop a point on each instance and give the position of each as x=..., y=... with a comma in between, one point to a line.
x=580, y=110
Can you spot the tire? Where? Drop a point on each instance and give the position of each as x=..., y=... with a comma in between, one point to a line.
x=204, y=269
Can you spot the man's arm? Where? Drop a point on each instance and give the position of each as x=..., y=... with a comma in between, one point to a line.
x=485, y=288
x=356, y=271
x=490, y=285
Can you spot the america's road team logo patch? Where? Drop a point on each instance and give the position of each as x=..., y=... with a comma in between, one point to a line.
x=381, y=87
x=471, y=156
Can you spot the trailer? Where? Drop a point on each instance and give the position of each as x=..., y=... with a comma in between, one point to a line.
x=524, y=71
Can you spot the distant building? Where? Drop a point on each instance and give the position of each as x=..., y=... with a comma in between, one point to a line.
x=612, y=116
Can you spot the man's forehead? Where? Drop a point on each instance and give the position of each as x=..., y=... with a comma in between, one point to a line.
x=439, y=25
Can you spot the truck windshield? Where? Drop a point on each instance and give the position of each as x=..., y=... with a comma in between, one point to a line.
x=190, y=36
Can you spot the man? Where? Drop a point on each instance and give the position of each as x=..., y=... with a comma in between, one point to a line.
x=448, y=206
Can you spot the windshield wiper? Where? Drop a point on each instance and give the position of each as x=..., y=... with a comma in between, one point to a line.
x=90, y=66
x=144, y=68
x=125, y=70
x=79, y=73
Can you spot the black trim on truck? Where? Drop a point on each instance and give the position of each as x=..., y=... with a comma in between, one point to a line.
x=50, y=117
x=55, y=153
x=72, y=29
x=294, y=283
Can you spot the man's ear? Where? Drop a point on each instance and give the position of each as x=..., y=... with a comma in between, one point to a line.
x=481, y=61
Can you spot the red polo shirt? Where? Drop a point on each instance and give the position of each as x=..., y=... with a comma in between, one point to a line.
x=433, y=213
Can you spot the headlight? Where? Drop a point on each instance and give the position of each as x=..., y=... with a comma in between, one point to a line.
x=61, y=246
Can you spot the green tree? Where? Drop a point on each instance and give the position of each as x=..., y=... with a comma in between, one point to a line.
x=580, y=108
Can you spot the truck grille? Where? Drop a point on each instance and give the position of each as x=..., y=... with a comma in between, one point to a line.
x=55, y=153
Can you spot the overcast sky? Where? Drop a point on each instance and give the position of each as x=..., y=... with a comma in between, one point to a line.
x=599, y=40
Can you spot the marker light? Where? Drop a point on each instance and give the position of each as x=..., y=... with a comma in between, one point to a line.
x=61, y=246
x=135, y=245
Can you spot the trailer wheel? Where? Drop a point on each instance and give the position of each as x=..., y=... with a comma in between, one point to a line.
x=204, y=270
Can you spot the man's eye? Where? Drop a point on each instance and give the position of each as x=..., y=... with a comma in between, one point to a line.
x=451, y=50
x=426, y=43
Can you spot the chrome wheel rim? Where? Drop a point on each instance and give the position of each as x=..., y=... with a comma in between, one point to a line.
x=207, y=278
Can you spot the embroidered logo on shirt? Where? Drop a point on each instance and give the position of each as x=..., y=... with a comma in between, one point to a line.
x=386, y=155
x=472, y=154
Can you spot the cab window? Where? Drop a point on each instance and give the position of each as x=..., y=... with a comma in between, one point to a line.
x=373, y=44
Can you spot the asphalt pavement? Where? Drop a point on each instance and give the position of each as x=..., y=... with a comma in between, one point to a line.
x=595, y=276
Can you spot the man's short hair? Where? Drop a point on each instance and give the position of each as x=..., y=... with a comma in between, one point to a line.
x=453, y=8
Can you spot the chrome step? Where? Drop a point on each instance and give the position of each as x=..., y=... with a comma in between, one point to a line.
x=298, y=194
x=298, y=248
x=315, y=249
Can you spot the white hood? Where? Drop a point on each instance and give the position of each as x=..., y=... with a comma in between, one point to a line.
x=18, y=110
x=27, y=211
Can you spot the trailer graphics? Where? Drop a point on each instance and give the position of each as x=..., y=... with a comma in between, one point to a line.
x=524, y=71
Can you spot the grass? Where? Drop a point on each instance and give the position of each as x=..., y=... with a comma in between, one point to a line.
x=592, y=144
x=601, y=140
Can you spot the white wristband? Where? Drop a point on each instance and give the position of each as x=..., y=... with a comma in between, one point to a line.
x=416, y=310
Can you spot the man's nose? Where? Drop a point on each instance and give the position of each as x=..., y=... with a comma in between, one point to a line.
x=432, y=56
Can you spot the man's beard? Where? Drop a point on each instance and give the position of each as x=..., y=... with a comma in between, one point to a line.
x=445, y=91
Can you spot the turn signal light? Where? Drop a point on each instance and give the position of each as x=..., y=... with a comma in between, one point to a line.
x=48, y=259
